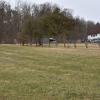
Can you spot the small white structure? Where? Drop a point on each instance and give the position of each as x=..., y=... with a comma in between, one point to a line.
x=94, y=37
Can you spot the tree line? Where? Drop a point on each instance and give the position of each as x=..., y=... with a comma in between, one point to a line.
x=32, y=23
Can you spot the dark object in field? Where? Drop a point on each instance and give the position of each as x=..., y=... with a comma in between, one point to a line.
x=51, y=40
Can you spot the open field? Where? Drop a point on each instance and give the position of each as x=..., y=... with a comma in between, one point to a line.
x=30, y=73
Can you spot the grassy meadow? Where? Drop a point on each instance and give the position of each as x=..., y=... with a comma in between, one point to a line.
x=36, y=73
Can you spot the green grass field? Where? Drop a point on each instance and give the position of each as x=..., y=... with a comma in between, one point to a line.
x=30, y=73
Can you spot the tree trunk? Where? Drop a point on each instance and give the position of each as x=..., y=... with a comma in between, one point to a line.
x=36, y=44
x=68, y=44
x=31, y=41
x=23, y=43
x=75, y=46
x=42, y=42
x=86, y=44
x=64, y=45
x=57, y=41
x=64, y=41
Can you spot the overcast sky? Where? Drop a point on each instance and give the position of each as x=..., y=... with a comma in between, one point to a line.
x=88, y=9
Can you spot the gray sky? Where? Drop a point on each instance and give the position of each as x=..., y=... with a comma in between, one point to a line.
x=88, y=9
